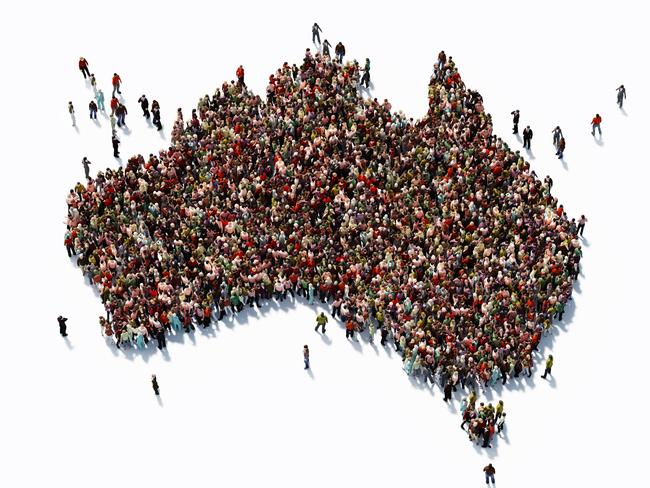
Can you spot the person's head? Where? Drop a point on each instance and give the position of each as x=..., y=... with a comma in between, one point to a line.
x=504, y=415
x=598, y=115
x=306, y=346
x=550, y=356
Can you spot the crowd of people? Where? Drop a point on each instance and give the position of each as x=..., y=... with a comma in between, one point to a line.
x=483, y=421
x=433, y=231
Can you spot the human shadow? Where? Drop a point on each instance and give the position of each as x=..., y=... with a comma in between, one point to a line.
x=585, y=241
x=530, y=153
x=310, y=373
x=159, y=400
x=564, y=164
x=599, y=141
x=623, y=111
x=97, y=122
x=125, y=129
x=67, y=342
x=325, y=338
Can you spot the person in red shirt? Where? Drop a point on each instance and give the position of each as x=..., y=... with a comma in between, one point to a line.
x=349, y=329
x=240, y=76
x=595, y=124
x=83, y=67
x=117, y=82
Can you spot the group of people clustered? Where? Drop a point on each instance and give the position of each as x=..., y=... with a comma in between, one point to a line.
x=432, y=232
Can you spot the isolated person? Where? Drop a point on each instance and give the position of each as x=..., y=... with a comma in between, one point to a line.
x=339, y=51
x=620, y=95
x=305, y=355
x=86, y=164
x=92, y=107
x=489, y=473
x=62, y=325
x=240, y=76
x=557, y=135
x=315, y=33
x=116, y=144
x=528, y=136
x=595, y=124
x=549, y=366
x=515, y=121
x=93, y=81
x=326, y=47
x=99, y=96
x=155, y=110
x=117, y=83
x=560, y=148
x=144, y=105
x=365, y=79
x=154, y=384
x=581, y=225
x=114, y=103
x=442, y=60
x=321, y=321
x=71, y=111
x=83, y=67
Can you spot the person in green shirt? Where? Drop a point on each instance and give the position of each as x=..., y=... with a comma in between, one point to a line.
x=321, y=321
x=549, y=365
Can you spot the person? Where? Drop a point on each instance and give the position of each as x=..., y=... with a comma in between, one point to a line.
x=365, y=79
x=144, y=104
x=500, y=423
x=92, y=107
x=99, y=96
x=384, y=335
x=93, y=82
x=113, y=122
x=489, y=473
x=528, y=135
x=549, y=365
x=515, y=121
x=117, y=82
x=155, y=110
x=498, y=411
x=442, y=60
x=560, y=148
x=595, y=124
x=114, y=103
x=315, y=33
x=71, y=111
x=154, y=384
x=581, y=225
x=121, y=112
x=339, y=51
x=321, y=321
x=557, y=135
x=305, y=355
x=240, y=76
x=86, y=164
x=83, y=67
x=349, y=329
x=620, y=96
x=326, y=47
x=62, y=325
x=116, y=143
x=447, y=390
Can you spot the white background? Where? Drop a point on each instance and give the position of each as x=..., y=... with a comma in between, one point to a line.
x=237, y=409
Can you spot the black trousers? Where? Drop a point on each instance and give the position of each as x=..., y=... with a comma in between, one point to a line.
x=349, y=333
x=581, y=227
x=84, y=71
x=546, y=372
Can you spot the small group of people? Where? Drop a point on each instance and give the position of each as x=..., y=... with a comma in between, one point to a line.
x=483, y=421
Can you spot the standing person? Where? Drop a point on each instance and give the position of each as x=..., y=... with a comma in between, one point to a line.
x=581, y=225
x=62, y=325
x=528, y=135
x=305, y=355
x=144, y=104
x=326, y=47
x=113, y=122
x=349, y=330
x=500, y=423
x=83, y=67
x=155, y=110
x=365, y=79
x=549, y=365
x=557, y=135
x=321, y=321
x=515, y=121
x=240, y=76
x=448, y=389
x=116, y=144
x=442, y=60
x=114, y=103
x=339, y=51
x=154, y=384
x=560, y=148
x=117, y=82
x=99, y=96
x=92, y=107
x=71, y=111
x=620, y=95
x=121, y=112
x=93, y=82
x=86, y=165
x=384, y=335
x=315, y=33
x=595, y=124
x=489, y=473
